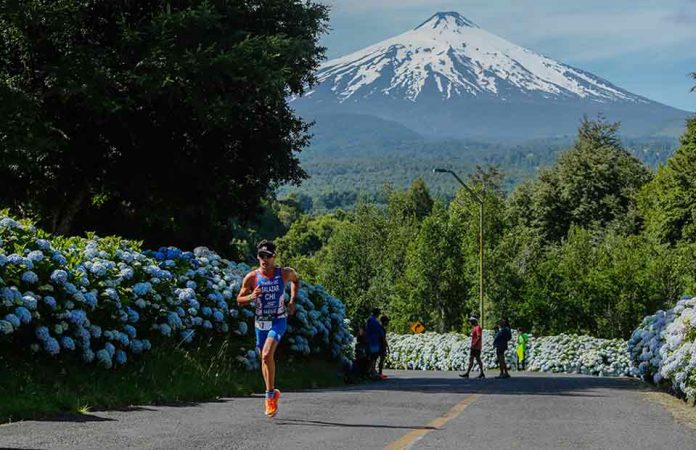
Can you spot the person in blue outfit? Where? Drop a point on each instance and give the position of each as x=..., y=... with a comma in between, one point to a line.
x=265, y=287
x=500, y=342
x=375, y=333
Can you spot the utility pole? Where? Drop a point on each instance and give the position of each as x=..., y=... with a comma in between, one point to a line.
x=478, y=200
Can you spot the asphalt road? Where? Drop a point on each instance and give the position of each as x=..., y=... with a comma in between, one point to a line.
x=434, y=410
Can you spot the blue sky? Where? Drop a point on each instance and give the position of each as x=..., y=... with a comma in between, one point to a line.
x=647, y=47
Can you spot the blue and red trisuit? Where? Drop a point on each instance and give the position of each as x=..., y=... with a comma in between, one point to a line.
x=271, y=316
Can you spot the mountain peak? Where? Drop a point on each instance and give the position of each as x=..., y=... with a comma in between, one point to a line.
x=446, y=20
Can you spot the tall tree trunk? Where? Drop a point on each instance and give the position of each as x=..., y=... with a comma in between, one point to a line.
x=68, y=213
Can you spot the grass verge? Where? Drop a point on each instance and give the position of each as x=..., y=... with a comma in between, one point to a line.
x=31, y=389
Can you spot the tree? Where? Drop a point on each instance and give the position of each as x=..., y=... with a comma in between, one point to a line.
x=668, y=202
x=152, y=119
x=594, y=184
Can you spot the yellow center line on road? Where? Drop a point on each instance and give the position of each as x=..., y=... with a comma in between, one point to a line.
x=411, y=437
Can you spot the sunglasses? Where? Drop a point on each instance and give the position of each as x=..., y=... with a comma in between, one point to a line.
x=265, y=256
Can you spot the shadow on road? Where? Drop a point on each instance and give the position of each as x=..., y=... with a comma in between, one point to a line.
x=319, y=423
x=518, y=384
x=76, y=418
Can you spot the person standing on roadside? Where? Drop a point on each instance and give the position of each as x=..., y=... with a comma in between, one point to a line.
x=375, y=333
x=500, y=342
x=384, y=345
x=476, y=346
x=266, y=287
x=521, y=349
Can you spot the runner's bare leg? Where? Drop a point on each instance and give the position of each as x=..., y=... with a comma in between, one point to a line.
x=268, y=363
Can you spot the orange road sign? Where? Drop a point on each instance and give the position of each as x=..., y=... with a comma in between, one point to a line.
x=417, y=327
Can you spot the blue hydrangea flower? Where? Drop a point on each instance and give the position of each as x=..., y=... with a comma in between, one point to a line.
x=78, y=316
x=59, y=259
x=59, y=276
x=197, y=321
x=3, y=259
x=23, y=314
x=136, y=346
x=120, y=357
x=91, y=299
x=6, y=327
x=43, y=244
x=70, y=288
x=98, y=269
x=218, y=316
x=186, y=294
x=67, y=343
x=133, y=315
x=140, y=303
x=42, y=333
x=30, y=277
x=225, y=328
x=36, y=255
x=111, y=293
x=95, y=331
x=174, y=320
x=6, y=222
x=142, y=288
x=88, y=355
x=180, y=311
x=146, y=345
x=206, y=311
x=191, y=284
x=14, y=320
x=51, y=346
x=83, y=334
x=123, y=339
x=130, y=330
x=243, y=328
x=15, y=259
x=104, y=358
x=165, y=329
x=29, y=301
x=207, y=325
x=109, y=347
x=187, y=335
x=58, y=329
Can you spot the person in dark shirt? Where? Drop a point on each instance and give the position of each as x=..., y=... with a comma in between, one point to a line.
x=500, y=342
x=375, y=333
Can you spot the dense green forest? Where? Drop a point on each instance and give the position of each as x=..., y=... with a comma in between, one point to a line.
x=363, y=167
x=590, y=244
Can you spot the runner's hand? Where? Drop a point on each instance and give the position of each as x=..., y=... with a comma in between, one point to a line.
x=257, y=293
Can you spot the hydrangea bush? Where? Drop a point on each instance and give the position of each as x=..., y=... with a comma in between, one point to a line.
x=563, y=353
x=106, y=301
x=663, y=348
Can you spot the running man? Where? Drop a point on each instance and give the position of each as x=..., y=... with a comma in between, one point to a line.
x=266, y=287
x=476, y=346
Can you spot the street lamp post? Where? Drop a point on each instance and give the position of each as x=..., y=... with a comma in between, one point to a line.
x=479, y=200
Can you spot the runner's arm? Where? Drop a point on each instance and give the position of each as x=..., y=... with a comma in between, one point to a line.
x=248, y=292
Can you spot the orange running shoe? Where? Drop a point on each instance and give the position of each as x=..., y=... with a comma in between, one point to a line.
x=272, y=404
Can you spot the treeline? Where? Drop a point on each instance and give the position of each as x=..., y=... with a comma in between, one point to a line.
x=359, y=173
x=590, y=245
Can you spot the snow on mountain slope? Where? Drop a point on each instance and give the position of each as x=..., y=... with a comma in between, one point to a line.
x=459, y=59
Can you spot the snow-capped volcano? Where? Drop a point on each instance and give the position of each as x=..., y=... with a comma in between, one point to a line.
x=450, y=77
